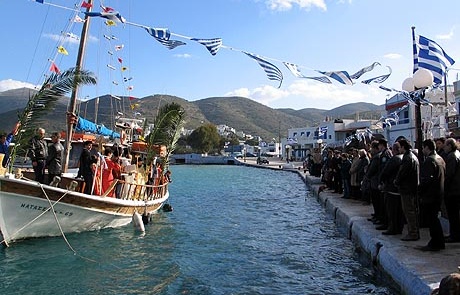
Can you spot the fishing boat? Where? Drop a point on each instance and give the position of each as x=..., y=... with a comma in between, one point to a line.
x=29, y=209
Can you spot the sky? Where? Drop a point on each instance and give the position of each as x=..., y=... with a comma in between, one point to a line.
x=316, y=35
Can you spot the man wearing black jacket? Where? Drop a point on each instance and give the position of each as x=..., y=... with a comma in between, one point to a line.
x=431, y=190
x=407, y=183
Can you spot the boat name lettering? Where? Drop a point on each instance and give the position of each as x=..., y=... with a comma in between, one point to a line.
x=41, y=208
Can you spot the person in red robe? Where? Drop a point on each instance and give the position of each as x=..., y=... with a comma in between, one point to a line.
x=107, y=172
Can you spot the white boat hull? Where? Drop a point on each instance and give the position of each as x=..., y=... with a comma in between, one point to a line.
x=28, y=214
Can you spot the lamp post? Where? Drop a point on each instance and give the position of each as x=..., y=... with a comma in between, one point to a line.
x=421, y=79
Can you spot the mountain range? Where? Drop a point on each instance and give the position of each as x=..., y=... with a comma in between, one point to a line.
x=241, y=113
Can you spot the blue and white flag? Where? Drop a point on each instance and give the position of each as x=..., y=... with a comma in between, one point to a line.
x=162, y=36
x=273, y=73
x=341, y=76
x=291, y=140
x=364, y=70
x=429, y=55
x=322, y=131
x=159, y=33
x=212, y=45
x=294, y=69
x=296, y=72
x=378, y=79
x=170, y=44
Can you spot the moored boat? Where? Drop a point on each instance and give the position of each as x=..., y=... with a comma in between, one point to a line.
x=29, y=209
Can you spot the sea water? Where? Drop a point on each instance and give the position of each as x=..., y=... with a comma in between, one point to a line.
x=233, y=230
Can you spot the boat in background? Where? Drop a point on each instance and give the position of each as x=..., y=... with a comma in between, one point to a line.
x=29, y=209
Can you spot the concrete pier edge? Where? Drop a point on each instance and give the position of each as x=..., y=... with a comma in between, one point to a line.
x=415, y=272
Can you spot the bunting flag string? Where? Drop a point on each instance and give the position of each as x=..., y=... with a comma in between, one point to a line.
x=359, y=73
x=213, y=45
x=273, y=73
x=379, y=79
x=340, y=76
x=296, y=72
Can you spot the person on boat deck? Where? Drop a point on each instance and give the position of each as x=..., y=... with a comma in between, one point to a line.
x=55, y=156
x=157, y=177
x=107, y=172
x=96, y=179
x=5, y=141
x=117, y=173
x=84, y=169
x=38, y=152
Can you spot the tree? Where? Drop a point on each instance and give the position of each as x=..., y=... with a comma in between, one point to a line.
x=57, y=85
x=205, y=138
x=166, y=131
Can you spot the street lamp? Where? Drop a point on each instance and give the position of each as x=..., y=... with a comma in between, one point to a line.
x=421, y=79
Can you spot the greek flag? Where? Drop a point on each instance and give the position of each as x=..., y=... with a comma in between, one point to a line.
x=159, y=33
x=429, y=55
x=162, y=36
x=273, y=73
x=364, y=70
x=296, y=72
x=341, y=76
x=212, y=45
x=291, y=140
x=322, y=131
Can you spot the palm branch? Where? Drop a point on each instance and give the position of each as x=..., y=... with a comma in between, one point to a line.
x=166, y=130
x=55, y=87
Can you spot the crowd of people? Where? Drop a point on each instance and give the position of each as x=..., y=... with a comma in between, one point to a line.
x=403, y=186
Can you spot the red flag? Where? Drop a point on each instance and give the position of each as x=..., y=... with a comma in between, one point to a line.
x=54, y=68
x=132, y=98
x=120, y=60
x=107, y=9
x=86, y=5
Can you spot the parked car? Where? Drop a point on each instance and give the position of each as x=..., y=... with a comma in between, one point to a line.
x=262, y=160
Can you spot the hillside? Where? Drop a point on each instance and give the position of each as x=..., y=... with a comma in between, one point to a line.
x=241, y=113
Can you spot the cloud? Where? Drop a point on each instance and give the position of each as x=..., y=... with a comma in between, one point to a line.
x=393, y=56
x=311, y=94
x=185, y=55
x=447, y=36
x=70, y=38
x=284, y=5
x=12, y=84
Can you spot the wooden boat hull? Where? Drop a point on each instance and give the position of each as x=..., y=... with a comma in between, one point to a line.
x=25, y=210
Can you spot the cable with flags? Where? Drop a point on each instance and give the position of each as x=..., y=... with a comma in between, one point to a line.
x=214, y=44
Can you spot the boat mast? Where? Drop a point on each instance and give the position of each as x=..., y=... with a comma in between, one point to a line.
x=73, y=98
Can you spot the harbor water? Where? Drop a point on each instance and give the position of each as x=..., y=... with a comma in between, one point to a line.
x=233, y=230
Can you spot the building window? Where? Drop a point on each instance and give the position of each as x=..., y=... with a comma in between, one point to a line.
x=404, y=117
x=294, y=134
